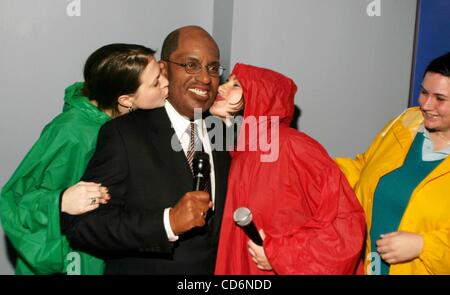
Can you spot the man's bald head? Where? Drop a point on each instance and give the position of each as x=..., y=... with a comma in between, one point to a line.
x=170, y=44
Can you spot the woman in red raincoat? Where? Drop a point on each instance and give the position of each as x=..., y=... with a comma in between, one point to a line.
x=308, y=215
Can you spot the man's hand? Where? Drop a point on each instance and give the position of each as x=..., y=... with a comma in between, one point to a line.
x=189, y=212
x=258, y=255
x=398, y=247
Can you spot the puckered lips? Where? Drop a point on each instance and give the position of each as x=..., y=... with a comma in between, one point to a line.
x=219, y=98
x=165, y=93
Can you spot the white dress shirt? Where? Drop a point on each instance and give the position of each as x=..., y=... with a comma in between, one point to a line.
x=181, y=123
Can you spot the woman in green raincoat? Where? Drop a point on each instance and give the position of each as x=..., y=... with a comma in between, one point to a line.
x=118, y=79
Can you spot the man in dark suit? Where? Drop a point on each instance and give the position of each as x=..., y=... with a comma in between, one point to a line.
x=154, y=222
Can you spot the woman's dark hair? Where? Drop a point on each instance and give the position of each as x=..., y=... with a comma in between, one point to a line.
x=440, y=65
x=114, y=70
x=238, y=108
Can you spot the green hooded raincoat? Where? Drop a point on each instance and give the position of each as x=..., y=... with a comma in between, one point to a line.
x=30, y=200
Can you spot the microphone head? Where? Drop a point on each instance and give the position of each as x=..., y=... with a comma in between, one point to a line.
x=242, y=216
x=200, y=163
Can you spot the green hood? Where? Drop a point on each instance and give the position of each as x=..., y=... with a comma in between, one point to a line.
x=75, y=99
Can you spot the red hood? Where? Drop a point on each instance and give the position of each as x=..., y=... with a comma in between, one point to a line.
x=269, y=98
x=266, y=92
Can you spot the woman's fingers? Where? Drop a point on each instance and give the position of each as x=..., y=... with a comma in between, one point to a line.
x=104, y=200
x=92, y=187
x=388, y=235
x=91, y=207
x=382, y=250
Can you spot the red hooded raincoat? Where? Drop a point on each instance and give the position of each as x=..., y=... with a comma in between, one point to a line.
x=309, y=213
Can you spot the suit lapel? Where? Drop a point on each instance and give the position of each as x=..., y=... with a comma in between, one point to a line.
x=168, y=149
x=171, y=160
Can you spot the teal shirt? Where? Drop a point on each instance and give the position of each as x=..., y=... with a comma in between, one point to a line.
x=394, y=191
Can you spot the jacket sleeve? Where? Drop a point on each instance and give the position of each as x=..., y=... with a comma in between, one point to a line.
x=331, y=240
x=352, y=167
x=30, y=201
x=436, y=251
x=115, y=226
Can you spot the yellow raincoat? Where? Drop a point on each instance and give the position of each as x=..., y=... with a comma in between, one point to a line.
x=428, y=210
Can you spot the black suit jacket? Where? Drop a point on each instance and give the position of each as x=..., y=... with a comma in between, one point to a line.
x=134, y=158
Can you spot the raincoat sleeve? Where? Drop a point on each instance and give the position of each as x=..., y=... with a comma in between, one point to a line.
x=30, y=201
x=352, y=167
x=115, y=226
x=330, y=241
x=436, y=250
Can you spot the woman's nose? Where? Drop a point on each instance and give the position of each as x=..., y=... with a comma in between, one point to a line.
x=163, y=81
x=428, y=103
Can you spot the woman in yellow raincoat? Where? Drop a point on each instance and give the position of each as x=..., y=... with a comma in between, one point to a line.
x=403, y=184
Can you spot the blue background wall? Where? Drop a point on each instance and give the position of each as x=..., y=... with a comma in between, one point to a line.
x=432, y=39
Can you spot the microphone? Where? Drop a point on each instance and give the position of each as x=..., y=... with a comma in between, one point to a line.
x=201, y=168
x=243, y=217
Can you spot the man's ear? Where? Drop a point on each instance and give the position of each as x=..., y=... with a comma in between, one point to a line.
x=163, y=66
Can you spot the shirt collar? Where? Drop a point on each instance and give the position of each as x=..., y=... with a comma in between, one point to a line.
x=428, y=142
x=179, y=122
x=425, y=132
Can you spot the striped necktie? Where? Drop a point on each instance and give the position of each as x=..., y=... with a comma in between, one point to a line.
x=195, y=145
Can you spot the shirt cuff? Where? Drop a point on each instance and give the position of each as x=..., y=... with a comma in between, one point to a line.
x=170, y=235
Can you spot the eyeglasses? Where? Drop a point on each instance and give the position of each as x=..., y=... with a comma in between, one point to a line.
x=193, y=67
